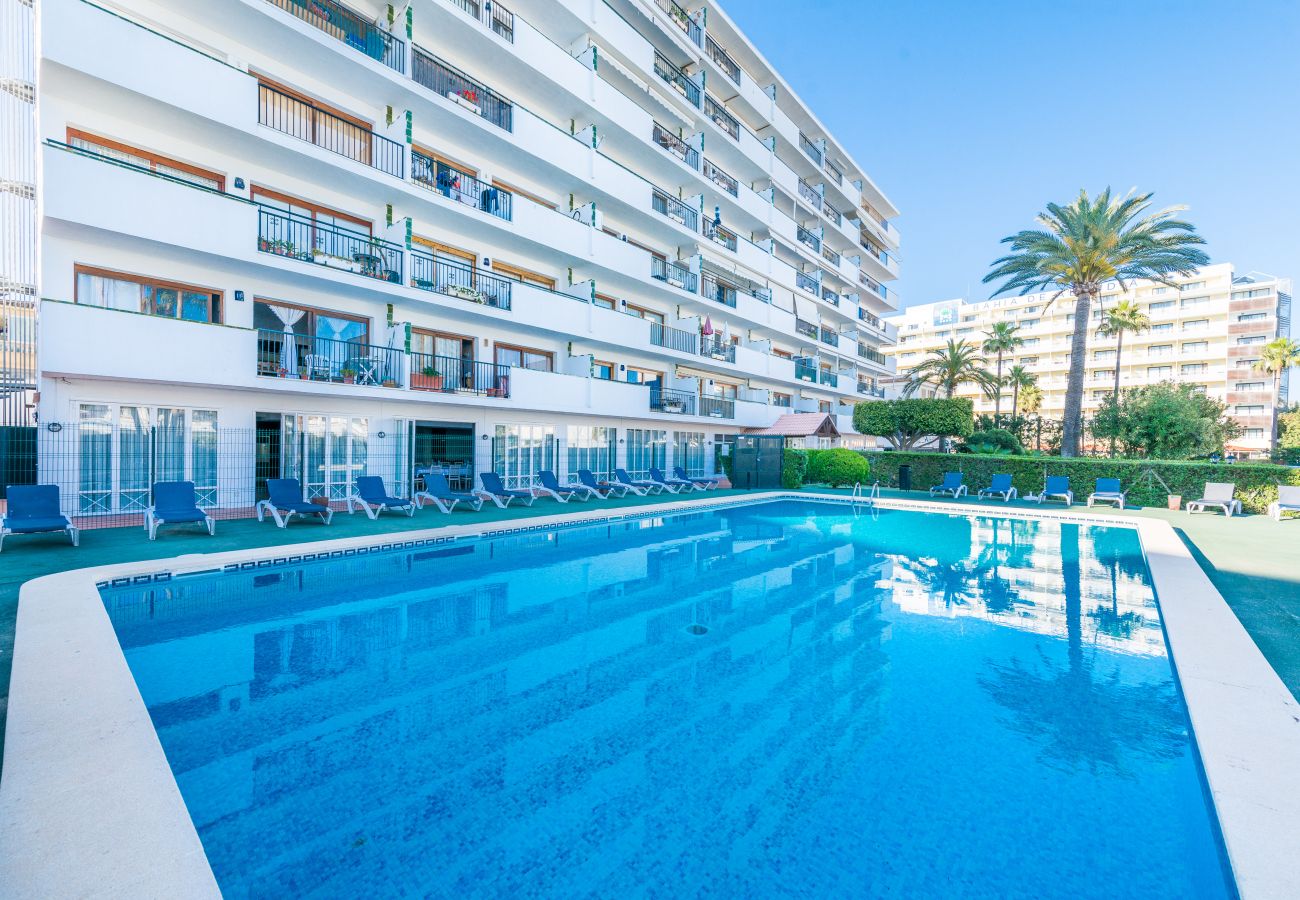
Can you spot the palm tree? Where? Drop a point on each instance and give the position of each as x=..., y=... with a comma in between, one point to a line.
x=948, y=368
x=1085, y=244
x=1020, y=379
x=1031, y=397
x=1276, y=357
x=1125, y=315
x=1000, y=339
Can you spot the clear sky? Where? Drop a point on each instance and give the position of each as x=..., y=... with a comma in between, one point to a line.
x=972, y=115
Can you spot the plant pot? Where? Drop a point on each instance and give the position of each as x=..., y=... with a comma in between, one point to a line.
x=1175, y=502
x=349, y=379
x=389, y=382
x=422, y=382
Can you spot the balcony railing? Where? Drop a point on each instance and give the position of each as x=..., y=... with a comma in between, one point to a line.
x=720, y=235
x=871, y=284
x=717, y=407
x=308, y=358
x=300, y=119
x=719, y=291
x=675, y=209
x=871, y=319
x=875, y=251
x=676, y=146
x=723, y=59
x=830, y=297
x=676, y=275
x=808, y=239
x=449, y=82
x=831, y=212
x=833, y=172
x=429, y=273
x=807, y=329
x=809, y=193
x=682, y=19
x=784, y=401
x=460, y=186
x=830, y=255
x=810, y=148
x=723, y=119
x=674, y=338
x=828, y=378
x=501, y=20
x=829, y=336
x=805, y=369
x=349, y=27
x=667, y=400
x=451, y=375
x=714, y=347
x=807, y=283
x=721, y=179
x=874, y=355
x=678, y=79
x=303, y=238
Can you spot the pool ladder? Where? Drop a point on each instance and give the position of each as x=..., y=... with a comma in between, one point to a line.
x=872, y=495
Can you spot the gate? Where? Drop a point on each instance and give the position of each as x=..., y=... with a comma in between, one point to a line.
x=756, y=461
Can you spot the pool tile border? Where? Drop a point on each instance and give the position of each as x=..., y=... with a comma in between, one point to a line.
x=57, y=803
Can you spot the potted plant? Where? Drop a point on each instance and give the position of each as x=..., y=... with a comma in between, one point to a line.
x=1175, y=502
x=349, y=375
x=389, y=382
x=427, y=379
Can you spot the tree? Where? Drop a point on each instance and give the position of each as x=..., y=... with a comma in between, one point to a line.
x=1165, y=421
x=1031, y=397
x=948, y=368
x=1085, y=244
x=1124, y=316
x=1276, y=357
x=907, y=422
x=1020, y=378
x=1000, y=340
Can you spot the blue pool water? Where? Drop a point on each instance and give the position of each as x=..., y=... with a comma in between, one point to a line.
x=780, y=699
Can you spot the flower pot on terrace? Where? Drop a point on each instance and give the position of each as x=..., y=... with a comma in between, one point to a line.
x=1175, y=502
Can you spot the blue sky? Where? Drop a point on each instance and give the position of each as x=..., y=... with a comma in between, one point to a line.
x=971, y=116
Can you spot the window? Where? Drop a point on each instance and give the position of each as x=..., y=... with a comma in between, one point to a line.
x=1161, y=290
x=782, y=400
x=1163, y=327
x=519, y=452
x=311, y=230
x=1030, y=342
x=1249, y=409
x=1100, y=395
x=1160, y=350
x=1256, y=434
x=1250, y=386
x=688, y=452
x=322, y=215
x=525, y=358
x=1246, y=340
x=315, y=344
x=151, y=296
x=1029, y=360
x=1101, y=355
x=523, y=193
x=1193, y=302
x=1160, y=371
x=604, y=301
x=524, y=275
x=643, y=376
x=1162, y=304
x=297, y=114
x=648, y=314
x=1029, y=310
x=1193, y=368
x=1253, y=292
x=1192, y=286
x=1196, y=324
x=1195, y=346
x=602, y=370
x=961, y=331
x=1028, y=323
x=591, y=447
x=1252, y=317
x=145, y=159
x=645, y=448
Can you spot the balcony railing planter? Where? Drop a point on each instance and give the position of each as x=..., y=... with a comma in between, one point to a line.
x=676, y=146
x=677, y=276
x=462, y=282
x=682, y=19
x=300, y=237
x=678, y=80
x=450, y=82
x=450, y=375
x=721, y=179
x=675, y=209
x=309, y=358
x=460, y=186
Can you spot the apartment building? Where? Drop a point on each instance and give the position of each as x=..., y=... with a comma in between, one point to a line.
x=560, y=235
x=1206, y=330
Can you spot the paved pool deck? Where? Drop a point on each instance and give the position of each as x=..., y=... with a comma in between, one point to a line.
x=1253, y=561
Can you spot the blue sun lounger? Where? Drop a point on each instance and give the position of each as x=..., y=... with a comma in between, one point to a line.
x=175, y=503
x=438, y=492
x=1057, y=488
x=951, y=485
x=673, y=485
x=34, y=509
x=562, y=492
x=372, y=496
x=640, y=488
x=603, y=491
x=703, y=482
x=285, y=502
x=999, y=487
x=499, y=494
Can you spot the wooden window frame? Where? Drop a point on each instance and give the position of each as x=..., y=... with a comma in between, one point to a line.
x=312, y=311
x=467, y=257
x=662, y=376
x=653, y=315
x=452, y=336
x=316, y=208
x=154, y=158
x=313, y=102
x=612, y=301
x=522, y=275
x=506, y=186
x=613, y=369
x=520, y=349
x=462, y=168
x=142, y=280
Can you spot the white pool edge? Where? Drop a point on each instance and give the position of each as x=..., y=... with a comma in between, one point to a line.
x=90, y=807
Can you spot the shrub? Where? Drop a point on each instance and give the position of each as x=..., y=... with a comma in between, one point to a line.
x=1165, y=421
x=904, y=423
x=994, y=440
x=1149, y=482
x=837, y=467
x=793, y=465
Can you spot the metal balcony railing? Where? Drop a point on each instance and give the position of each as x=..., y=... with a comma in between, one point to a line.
x=460, y=186
x=309, y=358
x=869, y=353
x=829, y=336
x=720, y=235
x=828, y=378
x=667, y=400
x=682, y=19
x=714, y=347
x=451, y=375
x=807, y=329
x=678, y=79
x=831, y=212
x=351, y=28
x=676, y=146
x=809, y=193
x=723, y=59
x=807, y=283
x=675, y=209
x=871, y=319
x=298, y=118
x=717, y=290
x=501, y=20
x=830, y=297
x=678, y=276
x=447, y=81
x=805, y=369
x=303, y=238
x=721, y=178
x=830, y=255
x=429, y=273
x=810, y=148
x=723, y=119
x=833, y=171
x=808, y=239
x=674, y=338
x=718, y=407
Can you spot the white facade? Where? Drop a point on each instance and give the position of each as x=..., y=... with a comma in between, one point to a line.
x=517, y=225
x=1208, y=330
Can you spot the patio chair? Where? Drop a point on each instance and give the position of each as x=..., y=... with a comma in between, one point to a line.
x=34, y=509
x=602, y=489
x=640, y=488
x=562, y=492
x=683, y=485
x=498, y=493
x=1288, y=500
x=438, y=492
x=370, y=494
x=1217, y=494
x=1057, y=487
x=999, y=487
x=703, y=482
x=1108, y=490
x=285, y=502
x=952, y=484
x=175, y=503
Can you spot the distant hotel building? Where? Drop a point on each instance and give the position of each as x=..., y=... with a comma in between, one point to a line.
x=1207, y=331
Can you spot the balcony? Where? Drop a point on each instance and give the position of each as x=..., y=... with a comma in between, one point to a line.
x=307, y=358
x=678, y=80
x=871, y=284
x=834, y=173
x=675, y=209
x=682, y=19
x=297, y=118
x=718, y=290
x=451, y=279
x=456, y=86
x=871, y=354
x=830, y=255
x=808, y=239
x=676, y=146
x=723, y=60
x=723, y=119
x=830, y=297
x=720, y=235
x=451, y=375
x=828, y=378
x=806, y=282
x=810, y=149
x=829, y=336
x=721, y=179
x=674, y=338
x=809, y=194
x=870, y=390
x=501, y=20
x=666, y=400
x=807, y=329
x=717, y=407
x=831, y=212
x=714, y=347
x=460, y=186
x=349, y=27
x=677, y=276
x=805, y=369
x=303, y=238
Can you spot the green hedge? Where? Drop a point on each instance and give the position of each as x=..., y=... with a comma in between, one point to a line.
x=1256, y=483
x=794, y=463
x=837, y=467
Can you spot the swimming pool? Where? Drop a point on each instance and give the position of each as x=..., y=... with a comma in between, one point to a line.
x=788, y=697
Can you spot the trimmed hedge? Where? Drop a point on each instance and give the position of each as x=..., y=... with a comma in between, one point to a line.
x=837, y=467
x=1256, y=483
x=793, y=465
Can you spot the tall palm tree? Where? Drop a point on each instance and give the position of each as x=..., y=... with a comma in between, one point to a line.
x=948, y=368
x=1124, y=316
x=1019, y=378
x=1276, y=357
x=1000, y=340
x=1031, y=397
x=1085, y=244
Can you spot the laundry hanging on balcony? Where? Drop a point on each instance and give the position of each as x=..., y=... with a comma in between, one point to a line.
x=288, y=347
x=707, y=330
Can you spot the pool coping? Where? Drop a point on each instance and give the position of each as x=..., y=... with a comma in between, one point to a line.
x=84, y=768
